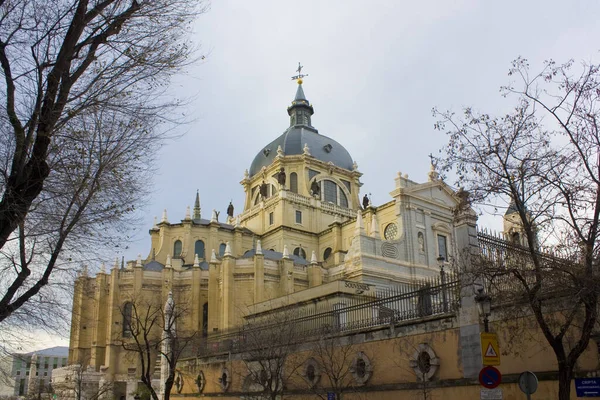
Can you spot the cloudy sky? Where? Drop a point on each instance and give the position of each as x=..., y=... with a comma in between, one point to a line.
x=376, y=69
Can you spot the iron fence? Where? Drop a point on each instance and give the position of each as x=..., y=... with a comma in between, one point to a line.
x=433, y=297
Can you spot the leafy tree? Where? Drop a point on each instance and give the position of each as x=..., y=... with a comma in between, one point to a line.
x=543, y=157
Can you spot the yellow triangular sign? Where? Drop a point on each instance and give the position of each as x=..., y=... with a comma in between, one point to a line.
x=490, y=352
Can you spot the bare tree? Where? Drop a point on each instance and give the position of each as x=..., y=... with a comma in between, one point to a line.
x=335, y=358
x=550, y=173
x=269, y=352
x=157, y=333
x=80, y=383
x=82, y=97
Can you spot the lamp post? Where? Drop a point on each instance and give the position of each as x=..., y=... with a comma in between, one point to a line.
x=440, y=261
x=484, y=305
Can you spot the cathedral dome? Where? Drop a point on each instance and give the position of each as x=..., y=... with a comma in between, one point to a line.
x=299, y=133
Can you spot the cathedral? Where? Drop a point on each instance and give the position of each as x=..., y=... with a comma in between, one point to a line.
x=306, y=237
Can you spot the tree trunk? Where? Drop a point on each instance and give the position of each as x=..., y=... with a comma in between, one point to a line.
x=565, y=374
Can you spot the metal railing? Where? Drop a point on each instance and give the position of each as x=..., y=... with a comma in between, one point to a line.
x=434, y=297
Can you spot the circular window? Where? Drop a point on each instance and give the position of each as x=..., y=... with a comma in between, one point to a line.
x=200, y=382
x=224, y=380
x=327, y=253
x=391, y=232
x=424, y=362
x=312, y=373
x=178, y=382
x=299, y=251
x=361, y=368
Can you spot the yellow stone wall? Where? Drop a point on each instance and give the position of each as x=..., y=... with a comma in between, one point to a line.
x=392, y=375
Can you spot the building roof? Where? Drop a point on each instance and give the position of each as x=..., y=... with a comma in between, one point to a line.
x=58, y=351
x=301, y=132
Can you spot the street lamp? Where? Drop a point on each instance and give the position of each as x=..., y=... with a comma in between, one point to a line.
x=484, y=305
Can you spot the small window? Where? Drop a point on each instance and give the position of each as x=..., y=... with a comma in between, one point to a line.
x=298, y=217
x=199, y=248
x=222, y=248
x=177, y=247
x=45, y=374
x=271, y=218
x=327, y=253
x=294, y=182
x=18, y=372
x=299, y=251
x=442, y=247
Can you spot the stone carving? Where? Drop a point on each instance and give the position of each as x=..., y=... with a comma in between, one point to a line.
x=315, y=189
x=281, y=177
x=263, y=190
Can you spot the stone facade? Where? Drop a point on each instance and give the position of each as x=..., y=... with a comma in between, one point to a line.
x=294, y=242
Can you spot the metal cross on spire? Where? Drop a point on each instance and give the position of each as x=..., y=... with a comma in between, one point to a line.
x=300, y=74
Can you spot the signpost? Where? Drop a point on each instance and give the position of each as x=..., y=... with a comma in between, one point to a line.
x=491, y=394
x=490, y=377
x=490, y=351
x=588, y=387
x=528, y=383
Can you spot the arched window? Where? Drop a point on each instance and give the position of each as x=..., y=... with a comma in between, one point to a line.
x=299, y=251
x=205, y=320
x=294, y=182
x=222, y=249
x=199, y=248
x=127, y=313
x=330, y=191
x=177, y=247
x=343, y=199
x=327, y=253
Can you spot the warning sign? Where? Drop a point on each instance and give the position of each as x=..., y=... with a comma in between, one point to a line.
x=490, y=351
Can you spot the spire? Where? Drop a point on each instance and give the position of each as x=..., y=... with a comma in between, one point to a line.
x=213, y=256
x=359, y=228
x=164, y=217
x=168, y=264
x=138, y=262
x=286, y=252
x=197, y=206
x=187, y=213
x=196, y=261
x=374, y=227
x=300, y=111
x=227, y=250
x=313, y=258
x=258, y=247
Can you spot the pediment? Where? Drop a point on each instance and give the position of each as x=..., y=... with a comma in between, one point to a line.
x=436, y=192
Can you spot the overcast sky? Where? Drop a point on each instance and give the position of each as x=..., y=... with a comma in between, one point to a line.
x=376, y=69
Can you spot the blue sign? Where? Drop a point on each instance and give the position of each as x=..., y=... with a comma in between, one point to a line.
x=490, y=377
x=588, y=387
x=330, y=396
